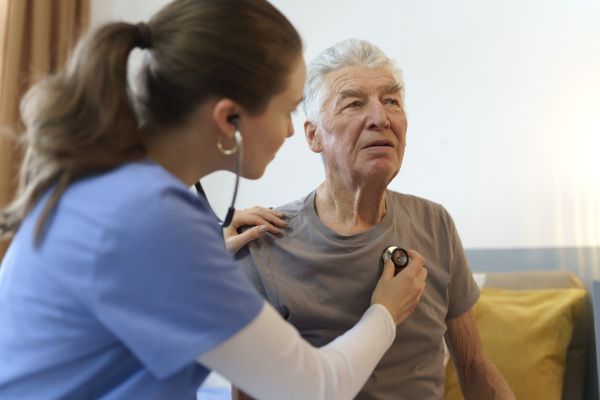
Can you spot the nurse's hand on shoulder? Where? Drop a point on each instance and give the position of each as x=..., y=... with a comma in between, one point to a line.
x=401, y=294
x=262, y=220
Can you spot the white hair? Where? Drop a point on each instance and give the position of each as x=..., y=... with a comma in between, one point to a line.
x=350, y=52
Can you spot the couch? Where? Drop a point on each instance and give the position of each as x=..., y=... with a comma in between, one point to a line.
x=533, y=326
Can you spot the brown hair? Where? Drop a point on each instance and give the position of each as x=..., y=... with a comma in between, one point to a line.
x=82, y=120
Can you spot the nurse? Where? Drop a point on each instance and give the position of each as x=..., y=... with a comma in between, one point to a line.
x=118, y=284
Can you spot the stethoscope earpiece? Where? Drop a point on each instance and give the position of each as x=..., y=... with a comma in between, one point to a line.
x=398, y=256
x=234, y=119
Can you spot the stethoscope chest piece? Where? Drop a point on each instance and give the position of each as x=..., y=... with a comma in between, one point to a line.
x=398, y=256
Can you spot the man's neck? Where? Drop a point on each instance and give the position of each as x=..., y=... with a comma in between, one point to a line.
x=349, y=211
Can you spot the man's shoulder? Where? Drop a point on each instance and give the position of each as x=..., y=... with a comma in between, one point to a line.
x=411, y=201
x=294, y=208
x=298, y=227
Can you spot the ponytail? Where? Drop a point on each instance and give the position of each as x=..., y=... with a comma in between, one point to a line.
x=78, y=122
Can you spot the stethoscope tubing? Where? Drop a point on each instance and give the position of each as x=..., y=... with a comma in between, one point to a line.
x=240, y=155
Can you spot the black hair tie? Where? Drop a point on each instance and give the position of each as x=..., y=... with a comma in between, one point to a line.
x=145, y=40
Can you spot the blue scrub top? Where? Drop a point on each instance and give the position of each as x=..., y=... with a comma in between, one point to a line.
x=129, y=284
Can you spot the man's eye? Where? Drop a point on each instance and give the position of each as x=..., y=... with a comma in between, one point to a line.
x=393, y=102
x=354, y=104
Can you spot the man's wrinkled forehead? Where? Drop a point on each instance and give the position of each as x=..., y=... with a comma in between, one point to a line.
x=357, y=81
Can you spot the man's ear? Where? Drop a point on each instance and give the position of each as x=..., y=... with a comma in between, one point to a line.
x=226, y=114
x=313, y=137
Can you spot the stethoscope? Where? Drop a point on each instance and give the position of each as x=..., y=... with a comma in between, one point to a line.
x=240, y=154
x=398, y=256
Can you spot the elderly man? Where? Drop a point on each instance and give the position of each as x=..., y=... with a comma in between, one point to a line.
x=320, y=270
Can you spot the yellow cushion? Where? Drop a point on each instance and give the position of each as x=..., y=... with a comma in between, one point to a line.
x=526, y=334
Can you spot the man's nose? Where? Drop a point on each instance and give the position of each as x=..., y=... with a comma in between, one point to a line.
x=377, y=117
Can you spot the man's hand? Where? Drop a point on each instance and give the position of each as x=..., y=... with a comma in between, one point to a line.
x=400, y=294
x=263, y=220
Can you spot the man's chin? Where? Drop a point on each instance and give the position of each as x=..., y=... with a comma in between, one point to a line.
x=383, y=172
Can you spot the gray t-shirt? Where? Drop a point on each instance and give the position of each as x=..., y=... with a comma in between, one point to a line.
x=322, y=282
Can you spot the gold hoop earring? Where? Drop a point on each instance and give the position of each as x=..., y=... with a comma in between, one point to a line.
x=227, y=152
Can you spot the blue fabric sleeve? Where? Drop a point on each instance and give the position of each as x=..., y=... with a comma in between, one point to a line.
x=181, y=294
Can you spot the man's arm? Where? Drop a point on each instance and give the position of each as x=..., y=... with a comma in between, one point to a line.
x=479, y=378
